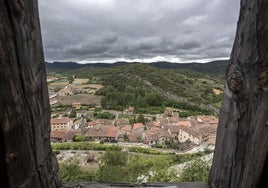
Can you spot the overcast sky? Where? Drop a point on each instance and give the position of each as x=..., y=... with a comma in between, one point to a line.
x=138, y=30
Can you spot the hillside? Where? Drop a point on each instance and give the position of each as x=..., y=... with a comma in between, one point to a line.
x=218, y=67
x=144, y=86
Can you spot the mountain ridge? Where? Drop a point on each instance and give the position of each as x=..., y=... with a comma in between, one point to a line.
x=217, y=67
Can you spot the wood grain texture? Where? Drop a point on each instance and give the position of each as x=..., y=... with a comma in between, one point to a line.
x=240, y=158
x=24, y=105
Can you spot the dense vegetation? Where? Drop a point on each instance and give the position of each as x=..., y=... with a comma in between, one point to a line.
x=84, y=146
x=119, y=166
x=218, y=66
x=150, y=89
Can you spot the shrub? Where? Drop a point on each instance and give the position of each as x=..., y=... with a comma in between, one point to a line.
x=79, y=138
x=71, y=172
x=196, y=171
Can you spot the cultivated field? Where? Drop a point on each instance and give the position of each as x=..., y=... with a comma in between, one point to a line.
x=79, y=98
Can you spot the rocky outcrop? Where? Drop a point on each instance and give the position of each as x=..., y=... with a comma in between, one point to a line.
x=240, y=158
x=26, y=156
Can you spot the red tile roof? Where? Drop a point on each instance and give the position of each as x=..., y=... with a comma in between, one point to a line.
x=150, y=136
x=164, y=133
x=201, y=130
x=137, y=126
x=174, y=129
x=111, y=131
x=60, y=120
x=62, y=134
x=102, y=131
x=155, y=128
x=156, y=124
x=208, y=119
x=126, y=128
x=133, y=136
x=184, y=123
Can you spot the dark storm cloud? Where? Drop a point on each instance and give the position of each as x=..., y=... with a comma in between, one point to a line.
x=176, y=30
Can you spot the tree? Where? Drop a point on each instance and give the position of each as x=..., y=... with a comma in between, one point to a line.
x=114, y=158
x=197, y=170
x=72, y=114
x=141, y=119
x=72, y=172
x=113, y=167
x=240, y=158
x=79, y=138
x=71, y=79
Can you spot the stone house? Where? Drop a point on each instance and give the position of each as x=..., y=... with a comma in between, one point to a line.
x=198, y=133
x=79, y=124
x=138, y=127
x=81, y=113
x=61, y=123
x=129, y=111
x=121, y=122
x=77, y=105
x=164, y=135
x=66, y=91
x=188, y=133
x=174, y=131
x=63, y=135
x=126, y=129
x=99, y=122
x=106, y=133
x=150, y=138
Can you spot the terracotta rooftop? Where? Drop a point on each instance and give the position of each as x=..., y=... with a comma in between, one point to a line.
x=155, y=128
x=100, y=122
x=60, y=120
x=151, y=136
x=132, y=137
x=173, y=128
x=163, y=133
x=201, y=129
x=137, y=126
x=102, y=131
x=208, y=119
x=185, y=123
x=62, y=134
x=168, y=120
x=126, y=128
x=156, y=124
x=191, y=131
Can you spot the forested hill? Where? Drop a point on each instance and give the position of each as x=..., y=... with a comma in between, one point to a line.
x=132, y=82
x=210, y=67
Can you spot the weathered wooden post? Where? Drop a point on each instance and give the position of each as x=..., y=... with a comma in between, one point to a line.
x=26, y=156
x=240, y=158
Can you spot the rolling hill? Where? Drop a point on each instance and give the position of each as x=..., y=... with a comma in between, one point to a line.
x=142, y=85
x=217, y=67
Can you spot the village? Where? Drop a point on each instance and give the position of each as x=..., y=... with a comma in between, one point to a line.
x=77, y=119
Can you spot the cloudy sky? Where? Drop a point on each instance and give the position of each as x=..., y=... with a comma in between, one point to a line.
x=138, y=30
